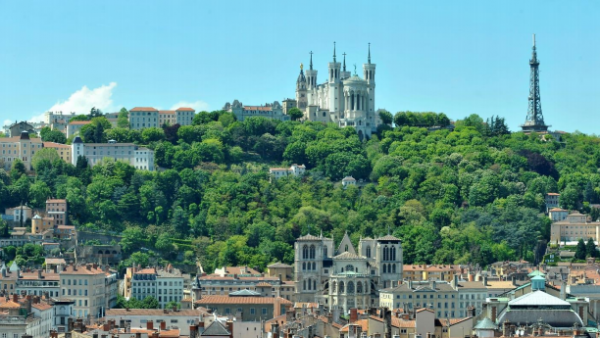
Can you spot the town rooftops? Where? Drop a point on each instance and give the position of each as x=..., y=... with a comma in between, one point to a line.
x=279, y=265
x=165, y=112
x=557, y=209
x=348, y=256
x=18, y=138
x=216, y=299
x=244, y=293
x=431, y=268
x=485, y=324
x=155, y=312
x=146, y=271
x=144, y=109
x=185, y=109
x=216, y=328
x=552, y=194
x=79, y=122
x=56, y=145
x=82, y=270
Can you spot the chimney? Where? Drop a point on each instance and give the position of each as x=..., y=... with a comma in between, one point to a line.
x=192, y=331
x=88, y=267
x=163, y=325
x=95, y=266
x=353, y=315
x=40, y=274
x=230, y=328
x=275, y=330
x=149, y=325
x=15, y=298
x=484, y=280
x=455, y=281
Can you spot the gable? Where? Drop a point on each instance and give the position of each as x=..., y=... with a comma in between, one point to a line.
x=345, y=243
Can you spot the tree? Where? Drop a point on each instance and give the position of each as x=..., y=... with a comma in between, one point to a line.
x=94, y=112
x=123, y=118
x=295, y=114
x=79, y=118
x=590, y=248
x=580, y=252
x=385, y=116
x=55, y=136
x=152, y=135
x=45, y=158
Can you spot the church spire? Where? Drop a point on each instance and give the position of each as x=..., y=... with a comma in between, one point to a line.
x=369, y=53
x=334, y=51
x=344, y=61
x=311, y=53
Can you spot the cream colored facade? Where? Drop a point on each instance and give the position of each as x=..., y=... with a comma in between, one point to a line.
x=19, y=147
x=574, y=227
x=40, y=224
x=420, y=272
x=75, y=126
x=85, y=286
x=63, y=150
x=440, y=297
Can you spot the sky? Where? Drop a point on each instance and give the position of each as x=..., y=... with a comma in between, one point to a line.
x=457, y=57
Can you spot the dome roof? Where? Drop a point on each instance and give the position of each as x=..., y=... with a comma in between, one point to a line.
x=354, y=79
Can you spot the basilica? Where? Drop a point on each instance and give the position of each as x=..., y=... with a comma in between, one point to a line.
x=343, y=278
x=344, y=98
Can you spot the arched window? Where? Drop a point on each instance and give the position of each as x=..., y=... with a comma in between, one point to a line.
x=349, y=268
x=368, y=252
x=384, y=268
x=305, y=252
x=342, y=269
x=346, y=248
x=385, y=253
x=350, y=288
x=359, y=287
x=324, y=251
x=333, y=287
x=342, y=287
x=393, y=268
x=315, y=285
x=314, y=266
x=303, y=266
x=309, y=284
x=393, y=258
x=304, y=286
x=312, y=252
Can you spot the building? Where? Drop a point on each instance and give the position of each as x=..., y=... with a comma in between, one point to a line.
x=424, y=272
x=63, y=310
x=18, y=127
x=440, y=297
x=280, y=270
x=552, y=201
x=183, y=116
x=20, y=316
x=85, y=285
x=63, y=150
x=166, y=117
x=247, y=307
x=557, y=214
x=18, y=214
x=139, y=318
x=95, y=153
x=347, y=181
x=574, y=227
x=344, y=99
x=269, y=110
x=166, y=285
x=143, y=117
x=20, y=147
x=295, y=170
x=57, y=209
x=344, y=278
x=38, y=283
x=58, y=120
x=74, y=127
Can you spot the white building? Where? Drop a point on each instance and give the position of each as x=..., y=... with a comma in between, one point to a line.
x=183, y=116
x=348, y=180
x=295, y=170
x=139, y=318
x=344, y=99
x=20, y=316
x=166, y=285
x=139, y=157
x=75, y=126
x=58, y=120
x=143, y=117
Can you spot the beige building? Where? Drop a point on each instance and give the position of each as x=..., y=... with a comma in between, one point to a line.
x=20, y=147
x=25, y=316
x=420, y=272
x=246, y=307
x=437, y=296
x=182, y=116
x=57, y=209
x=74, y=127
x=40, y=224
x=280, y=270
x=557, y=214
x=166, y=117
x=19, y=213
x=574, y=227
x=63, y=150
x=86, y=286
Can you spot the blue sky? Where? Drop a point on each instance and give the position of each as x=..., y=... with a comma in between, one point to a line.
x=456, y=57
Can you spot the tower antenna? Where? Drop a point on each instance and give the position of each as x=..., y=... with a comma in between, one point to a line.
x=370, y=50
x=535, y=119
x=334, y=51
x=344, y=61
x=311, y=53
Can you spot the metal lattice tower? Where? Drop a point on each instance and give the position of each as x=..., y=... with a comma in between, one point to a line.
x=535, y=118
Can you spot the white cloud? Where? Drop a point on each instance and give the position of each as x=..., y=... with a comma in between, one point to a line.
x=7, y=122
x=83, y=100
x=197, y=105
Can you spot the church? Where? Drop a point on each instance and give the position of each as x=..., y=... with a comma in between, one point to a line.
x=344, y=98
x=343, y=278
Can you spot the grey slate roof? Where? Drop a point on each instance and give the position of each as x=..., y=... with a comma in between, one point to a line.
x=309, y=237
x=388, y=238
x=538, y=298
x=244, y=293
x=347, y=256
x=485, y=324
x=216, y=328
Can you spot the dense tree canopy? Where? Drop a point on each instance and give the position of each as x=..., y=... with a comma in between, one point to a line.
x=469, y=194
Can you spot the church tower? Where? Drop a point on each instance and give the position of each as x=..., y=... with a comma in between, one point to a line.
x=369, y=76
x=301, y=90
x=311, y=79
x=334, y=84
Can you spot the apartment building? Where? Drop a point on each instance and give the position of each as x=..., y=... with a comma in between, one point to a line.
x=18, y=214
x=20, y=316
x=85, y=285
x=295, y=170
x=421, y=272
x=167, y=117
x=244, y=306
x=20, y=147
x=166, y=285
x=63, y=150
x=143, y=117
x=438, y=296
x=185, y=116
x=57, y=209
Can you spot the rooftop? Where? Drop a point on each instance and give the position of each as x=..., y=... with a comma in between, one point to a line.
x=242, y=300
x=143, y=109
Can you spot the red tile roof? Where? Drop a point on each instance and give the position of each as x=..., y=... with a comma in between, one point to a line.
x=242, y=300
x=143, y=109
x=55, y=145
x=185, y=109
x=55, y=201
x=165, y=112
x=260, y=108
x=79, y=122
